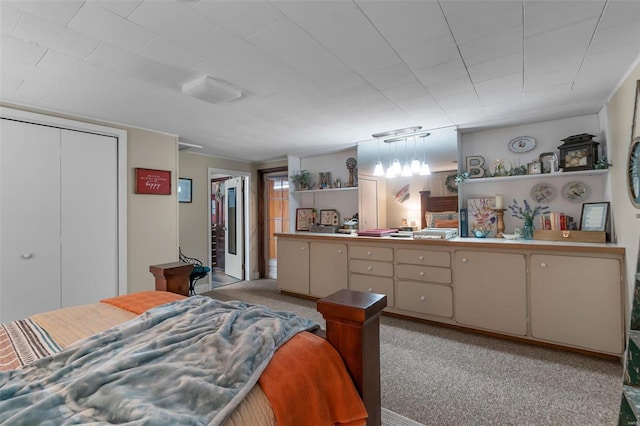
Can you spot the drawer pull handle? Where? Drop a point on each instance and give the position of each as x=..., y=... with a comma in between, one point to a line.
x=369, y=268
x=421, y=257
x=27, y=256
x=369, y=290
x=302, y=248
x=543, y=265
x=423, y=298
x=339, y=250
x=464, y=260
x=422, y=273
x=369, y=253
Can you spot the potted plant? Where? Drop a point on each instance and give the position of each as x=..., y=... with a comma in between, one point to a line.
x=301, y=179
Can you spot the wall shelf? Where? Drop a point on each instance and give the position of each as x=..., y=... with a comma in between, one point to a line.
x=307, y=191
x=537, y=176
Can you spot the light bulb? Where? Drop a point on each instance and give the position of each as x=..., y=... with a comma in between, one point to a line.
x=379, y=169
x=390, y=173
x=406, y=170
x=397, y=168
x=425, y=170
x=415, y=166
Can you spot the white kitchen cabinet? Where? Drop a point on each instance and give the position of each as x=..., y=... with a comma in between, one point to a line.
x=576, y=300
x=328, y=268
x=293, y=266
x=490, y=291
x=425, y=298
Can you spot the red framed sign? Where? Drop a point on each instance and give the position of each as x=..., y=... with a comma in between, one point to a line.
x=150, y=181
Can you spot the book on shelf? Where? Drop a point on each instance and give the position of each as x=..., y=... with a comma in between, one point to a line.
x=556, y=221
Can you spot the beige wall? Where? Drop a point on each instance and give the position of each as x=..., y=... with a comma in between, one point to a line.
x=152, y=220
x=619, y=112
x=152, y=226
x=194, y=216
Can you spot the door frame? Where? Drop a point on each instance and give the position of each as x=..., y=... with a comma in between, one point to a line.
x=121, y=136
x=214, y=173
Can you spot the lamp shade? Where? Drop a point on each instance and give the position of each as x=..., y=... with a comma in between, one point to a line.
x=378, y=169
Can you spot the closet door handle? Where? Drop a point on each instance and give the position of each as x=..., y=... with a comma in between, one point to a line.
x=27, y=256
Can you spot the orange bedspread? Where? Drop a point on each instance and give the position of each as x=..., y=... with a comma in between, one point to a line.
x=305, y=368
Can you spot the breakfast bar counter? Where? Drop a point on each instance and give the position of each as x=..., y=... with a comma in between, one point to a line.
x=556, y=293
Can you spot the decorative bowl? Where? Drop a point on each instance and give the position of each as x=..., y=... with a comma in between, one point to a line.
x=510, y=236
x=481, y=233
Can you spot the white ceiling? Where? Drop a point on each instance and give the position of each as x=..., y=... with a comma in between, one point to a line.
x=316, y=76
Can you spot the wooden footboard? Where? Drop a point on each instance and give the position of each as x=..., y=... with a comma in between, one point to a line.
x=353, y=328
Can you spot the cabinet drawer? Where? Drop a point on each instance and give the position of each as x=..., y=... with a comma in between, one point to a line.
x=383, y=269
x=430, y=299
x=424, y=273
x=373, y=253
x=424, y=257
x=372, y=284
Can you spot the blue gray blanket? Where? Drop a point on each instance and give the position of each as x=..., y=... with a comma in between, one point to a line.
x=186, y=362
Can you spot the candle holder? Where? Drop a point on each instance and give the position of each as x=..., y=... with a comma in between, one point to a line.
x=500, y=217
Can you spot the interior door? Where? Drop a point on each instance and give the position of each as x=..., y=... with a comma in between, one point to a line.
x=29, y=219
x=234, y=229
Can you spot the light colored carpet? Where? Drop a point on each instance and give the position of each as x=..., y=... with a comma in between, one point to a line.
x=389, y=418
x=441, y=376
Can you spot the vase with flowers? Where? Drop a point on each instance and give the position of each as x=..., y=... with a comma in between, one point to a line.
x=527, y=214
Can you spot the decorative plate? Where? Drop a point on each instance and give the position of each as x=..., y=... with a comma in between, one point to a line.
x=576, y=192
x=543, y=193
x=500, y=168
x=521, y=144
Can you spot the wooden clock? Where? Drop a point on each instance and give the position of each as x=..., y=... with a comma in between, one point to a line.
x=578, y=152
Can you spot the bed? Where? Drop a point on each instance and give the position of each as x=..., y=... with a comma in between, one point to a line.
x=153, y=358
x=439, y=211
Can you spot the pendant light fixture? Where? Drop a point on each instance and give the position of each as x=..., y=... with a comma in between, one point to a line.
x=406, y=169
x=425, y=170
x=415, y=163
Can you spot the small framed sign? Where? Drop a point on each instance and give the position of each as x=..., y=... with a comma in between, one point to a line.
x=304, y=219
x=184, y=190
x=595, y=216
x=151, y=181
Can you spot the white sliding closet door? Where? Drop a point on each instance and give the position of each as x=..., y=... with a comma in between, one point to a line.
x=89, y=225
x=29, y=219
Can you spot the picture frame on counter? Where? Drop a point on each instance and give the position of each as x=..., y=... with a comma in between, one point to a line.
x=304, y=219
x=595, y=216
x=329, y=217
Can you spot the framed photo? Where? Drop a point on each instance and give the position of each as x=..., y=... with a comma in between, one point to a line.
x=327, y=216
x=304, y=219
x=595, y=216
x=151, y=181
x=184, y=190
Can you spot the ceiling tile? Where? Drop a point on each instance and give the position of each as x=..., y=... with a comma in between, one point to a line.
x=57, y=12
x=442, y=73
x=121, y=61
x=169, y=52
x=176, y=21
x=54, y=36
x=501, y=89
x=405, y=91
x=9, y=18
x=540, y=80
x=415, y=22
x=622, y=35
x=345, y=31
x=169, y=77
x=481, y=19
x=122, y=8
x=19, y=51
x=391, y=76
x=429, y=53
x=571, y=38
x=243, y=18
x=544, y=16
x=505, y=43
x=110, y=28
x=226, y=47
x=496, y=68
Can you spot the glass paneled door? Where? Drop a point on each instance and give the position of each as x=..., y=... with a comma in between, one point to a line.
x=277, y=217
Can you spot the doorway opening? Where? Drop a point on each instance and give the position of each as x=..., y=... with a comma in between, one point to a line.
x=229, y=243
x=273, y=216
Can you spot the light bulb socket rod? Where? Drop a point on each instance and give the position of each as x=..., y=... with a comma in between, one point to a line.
x=405, y=137
x=397, y=132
